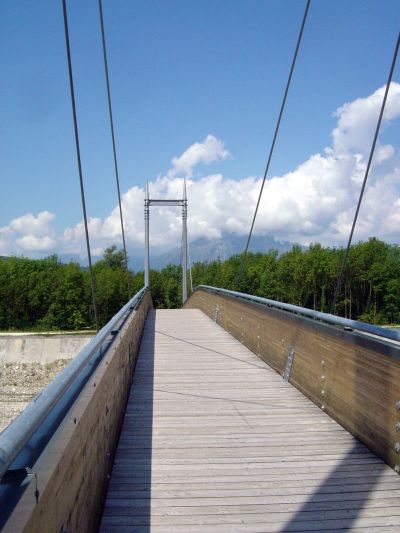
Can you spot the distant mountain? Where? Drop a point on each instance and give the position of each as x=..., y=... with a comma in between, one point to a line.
x=199, y=250
x=136, y=262
x=62, y=258
x=203, y=249
x=75, y=258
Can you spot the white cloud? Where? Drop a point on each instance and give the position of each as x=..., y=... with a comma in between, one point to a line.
x=30, y=243
x=210, y=150
x=314, y=202
x=29, y=224
x=28, y=234
x=357, y=120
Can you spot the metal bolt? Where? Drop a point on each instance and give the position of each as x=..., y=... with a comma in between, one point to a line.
x=322, y=362
x=322, y=377
x=323, y=392
x=322, y=406
x=397, y=447
x=398, y=426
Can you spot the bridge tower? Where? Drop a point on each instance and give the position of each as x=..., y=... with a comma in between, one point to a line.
x=184, y=244
x=146, y=237
x=148, y=202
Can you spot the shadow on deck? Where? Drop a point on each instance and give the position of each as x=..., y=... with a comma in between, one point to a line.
x=213, y=440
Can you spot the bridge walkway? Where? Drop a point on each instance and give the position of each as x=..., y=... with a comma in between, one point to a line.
x=214, y=440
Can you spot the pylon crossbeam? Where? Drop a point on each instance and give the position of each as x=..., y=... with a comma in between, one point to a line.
x=162, y=202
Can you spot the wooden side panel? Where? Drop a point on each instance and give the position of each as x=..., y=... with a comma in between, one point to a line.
x=353, y=377
x=73, y=470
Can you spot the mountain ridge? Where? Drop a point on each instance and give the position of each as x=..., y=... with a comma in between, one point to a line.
x=207, y=250
x=201, y=249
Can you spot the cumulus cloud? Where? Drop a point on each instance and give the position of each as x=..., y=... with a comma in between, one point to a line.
x=206, y=152
x=357, y=120
x=314, y=202
x=28, y=233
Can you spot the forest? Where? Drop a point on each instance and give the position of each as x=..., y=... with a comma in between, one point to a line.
x=45, y=294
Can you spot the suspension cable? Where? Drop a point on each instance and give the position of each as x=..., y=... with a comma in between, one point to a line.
x=113, y=144
x=189, y=260
x=278, y=122
x=378, y=125
x=190, y=269
x=78, y=155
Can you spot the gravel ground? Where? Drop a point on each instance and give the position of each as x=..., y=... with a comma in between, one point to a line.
x=20, y=382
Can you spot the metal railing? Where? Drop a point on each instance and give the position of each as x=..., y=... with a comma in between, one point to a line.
x=17, y=434
x=309, y=313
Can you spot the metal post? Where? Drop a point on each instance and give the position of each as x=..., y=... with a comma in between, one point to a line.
x=161, y=202
x=146, y=238
x=184, y=244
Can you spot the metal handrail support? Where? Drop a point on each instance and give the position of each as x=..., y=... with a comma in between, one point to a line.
x=309, y=313
x=18, y=433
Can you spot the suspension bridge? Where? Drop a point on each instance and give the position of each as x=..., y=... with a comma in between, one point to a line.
x=235, y=413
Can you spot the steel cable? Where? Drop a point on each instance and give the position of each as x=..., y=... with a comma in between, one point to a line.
x=378, y=125
x=78, y=155
x=279, y=121
x=113, y=143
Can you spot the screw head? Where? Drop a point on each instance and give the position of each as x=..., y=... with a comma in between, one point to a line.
x=398, y=426
x=397, y=447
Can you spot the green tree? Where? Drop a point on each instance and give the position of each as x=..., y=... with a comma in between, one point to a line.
x=114, y=258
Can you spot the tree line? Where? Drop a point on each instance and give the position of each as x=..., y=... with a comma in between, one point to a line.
x=45, y=294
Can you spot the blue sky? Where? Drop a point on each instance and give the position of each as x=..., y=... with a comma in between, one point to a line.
x=180, y=71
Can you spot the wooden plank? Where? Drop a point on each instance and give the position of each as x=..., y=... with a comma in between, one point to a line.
x=214, y=440
x=227, y=511
x=355, y=378
x=72, y=471
x=262, y=516
x=276, y=527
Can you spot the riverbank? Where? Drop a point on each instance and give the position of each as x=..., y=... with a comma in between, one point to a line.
x=41, y=347
x=29, y=361
x=20, y=383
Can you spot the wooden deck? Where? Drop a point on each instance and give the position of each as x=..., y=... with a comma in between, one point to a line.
x=214, y=440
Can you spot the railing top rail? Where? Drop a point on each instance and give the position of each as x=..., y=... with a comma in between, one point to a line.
x=18, y=433
x=387, y=334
